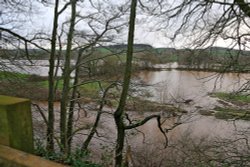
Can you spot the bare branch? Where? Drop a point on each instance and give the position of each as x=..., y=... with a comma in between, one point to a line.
x=23, y=39
x=145, y=120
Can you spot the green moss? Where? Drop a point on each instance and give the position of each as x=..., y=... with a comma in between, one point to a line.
x=16, y=123
x=7, y=100
x=4, y=129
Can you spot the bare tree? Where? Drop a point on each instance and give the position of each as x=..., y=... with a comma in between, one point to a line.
x=50, y=128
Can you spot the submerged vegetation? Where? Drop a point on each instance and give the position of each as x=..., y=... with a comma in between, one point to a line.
x=233, y=106
x=232, y=113
x=91, y=65
x=235, y=98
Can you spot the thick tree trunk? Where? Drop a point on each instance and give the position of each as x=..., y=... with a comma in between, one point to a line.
x=126, y=81
x=66, y=79
x=50, y=128
x=119, y=141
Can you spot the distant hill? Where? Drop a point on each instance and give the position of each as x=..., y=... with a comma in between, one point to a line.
x=137, y=47
x=163, y=55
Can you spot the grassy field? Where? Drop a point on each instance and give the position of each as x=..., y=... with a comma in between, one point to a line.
x=36, y=87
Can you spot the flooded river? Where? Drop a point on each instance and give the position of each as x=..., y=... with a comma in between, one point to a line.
x=36, y=67
x=171, y=86
x=175, y=87
x=178, y=86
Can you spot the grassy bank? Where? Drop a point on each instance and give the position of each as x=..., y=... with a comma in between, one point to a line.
x=24, y=86
x=237, y=99
x=140, y=105
x=36, y=88
x=234, y=111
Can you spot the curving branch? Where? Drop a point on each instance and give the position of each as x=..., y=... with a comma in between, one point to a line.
x=145, y=120
x=41, y=112
x=142, y=122
x=93, y=131
x=26, y=41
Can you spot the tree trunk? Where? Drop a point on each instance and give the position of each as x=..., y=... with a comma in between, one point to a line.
x=50, y=128
x=72, y=103
x=66, y=79
x=98, y=117
x=92, y=131
x=119, y=141
x=118, y=115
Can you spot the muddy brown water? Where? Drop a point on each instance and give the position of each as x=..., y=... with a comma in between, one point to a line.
x=175, y=85
x=170, y=87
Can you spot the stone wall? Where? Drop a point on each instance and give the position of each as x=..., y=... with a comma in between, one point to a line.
x=16, y=135
x=16, y=123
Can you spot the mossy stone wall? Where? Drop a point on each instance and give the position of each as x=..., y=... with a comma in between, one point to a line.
x=16, y=123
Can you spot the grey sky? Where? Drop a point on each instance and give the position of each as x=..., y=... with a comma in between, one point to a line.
x=146, y=33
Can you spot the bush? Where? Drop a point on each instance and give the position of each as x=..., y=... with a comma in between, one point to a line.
x=76, y=159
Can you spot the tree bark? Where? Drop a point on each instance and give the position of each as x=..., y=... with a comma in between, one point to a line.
x=50, y=127
x=98, y=117
x=66, y=79
x=72, y=103
x=119, y=113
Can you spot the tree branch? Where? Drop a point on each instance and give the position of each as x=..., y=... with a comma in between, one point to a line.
x=243, y=6
x=23, y=39
x=145, y=120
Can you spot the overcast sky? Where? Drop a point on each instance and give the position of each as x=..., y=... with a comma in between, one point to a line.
x=146, y=33
x=143, y=34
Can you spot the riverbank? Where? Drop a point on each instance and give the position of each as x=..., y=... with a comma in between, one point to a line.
x=233, y=106
x=147, y=140
x=176, y=66
x=36, y=88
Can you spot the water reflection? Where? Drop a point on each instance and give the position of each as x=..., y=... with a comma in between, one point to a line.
x=36, y=67
x=175, y=85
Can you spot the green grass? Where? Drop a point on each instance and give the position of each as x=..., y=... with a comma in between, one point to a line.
x=233, y=98
x=15, y=81
x=45, y=84
x=92, y=89
x=93, y=86
x=4, y=75
x=232, y=113
x=140, y=105
x=104, y=50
